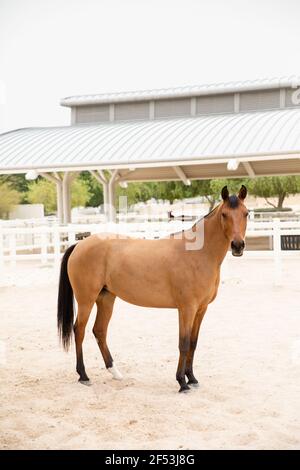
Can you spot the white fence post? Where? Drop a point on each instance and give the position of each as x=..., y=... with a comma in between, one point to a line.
x=71, y=235
x=12, y=249
x=277, y=251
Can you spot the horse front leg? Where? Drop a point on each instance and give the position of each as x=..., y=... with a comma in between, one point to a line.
x=193, y=344
x=186, y=321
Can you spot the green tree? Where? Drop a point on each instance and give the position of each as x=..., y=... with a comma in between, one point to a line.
x=168, y=191
x=275, y=186
x=211, y=189
x=202, y=188
x=233, y=184
x=172, y=190
x=94, y=188
x=9, y=198
x=17, y=182
x=80, y=193
x=43, y=191
x=137, y=192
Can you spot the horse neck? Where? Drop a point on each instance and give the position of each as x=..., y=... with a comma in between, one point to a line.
x=215, y=243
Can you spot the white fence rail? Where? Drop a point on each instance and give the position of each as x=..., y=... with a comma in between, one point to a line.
x=45, y=243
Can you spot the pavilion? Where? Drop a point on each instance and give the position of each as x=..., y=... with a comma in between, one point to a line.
x=238, y=129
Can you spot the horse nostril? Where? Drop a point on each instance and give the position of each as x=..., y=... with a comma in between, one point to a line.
x=237, y=245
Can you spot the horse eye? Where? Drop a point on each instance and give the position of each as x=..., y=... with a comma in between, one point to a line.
x=246, y=215
x=224, y=215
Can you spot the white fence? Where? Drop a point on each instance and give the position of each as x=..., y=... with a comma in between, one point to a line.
x=45, y=243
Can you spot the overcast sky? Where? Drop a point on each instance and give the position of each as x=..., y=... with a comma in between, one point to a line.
x=54, y=48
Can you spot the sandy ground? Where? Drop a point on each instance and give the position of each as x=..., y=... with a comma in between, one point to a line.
x=248, y=364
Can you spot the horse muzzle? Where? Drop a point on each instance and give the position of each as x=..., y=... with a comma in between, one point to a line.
x=237, y=247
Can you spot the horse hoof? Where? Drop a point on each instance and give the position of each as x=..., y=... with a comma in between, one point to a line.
x=193, y=384
x=115, y=373
x=88, y=383
x=184, y=389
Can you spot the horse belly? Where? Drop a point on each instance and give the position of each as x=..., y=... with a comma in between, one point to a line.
x=147, y=301
x=141, y=288
x=144, y=296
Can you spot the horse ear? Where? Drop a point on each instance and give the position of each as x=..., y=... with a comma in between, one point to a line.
x=225, y=193
x=243, y=192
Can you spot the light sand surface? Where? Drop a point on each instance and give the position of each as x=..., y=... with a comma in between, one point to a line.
x=247, y=363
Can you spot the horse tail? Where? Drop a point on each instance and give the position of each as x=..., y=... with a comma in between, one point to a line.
x=65, y=302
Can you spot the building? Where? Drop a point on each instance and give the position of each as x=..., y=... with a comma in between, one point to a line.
x=238, y=129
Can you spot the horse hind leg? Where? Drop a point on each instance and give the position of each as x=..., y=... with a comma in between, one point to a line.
x=105, y=303
x=79, y=331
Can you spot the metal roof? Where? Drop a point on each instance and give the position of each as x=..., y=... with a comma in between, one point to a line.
x=157, y=143
x=186, y=91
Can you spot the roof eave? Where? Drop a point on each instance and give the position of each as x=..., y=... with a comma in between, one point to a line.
x=215, y=159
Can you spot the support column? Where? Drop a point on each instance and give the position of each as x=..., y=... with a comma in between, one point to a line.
x=105, y=199
x=111, y=196
x=66, y=192
x=100, y=177
x=59, y=193
x=60, y=208
x=105, y=194
x=105, y=189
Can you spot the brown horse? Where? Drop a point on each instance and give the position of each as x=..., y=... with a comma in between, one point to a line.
x=167, y=272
